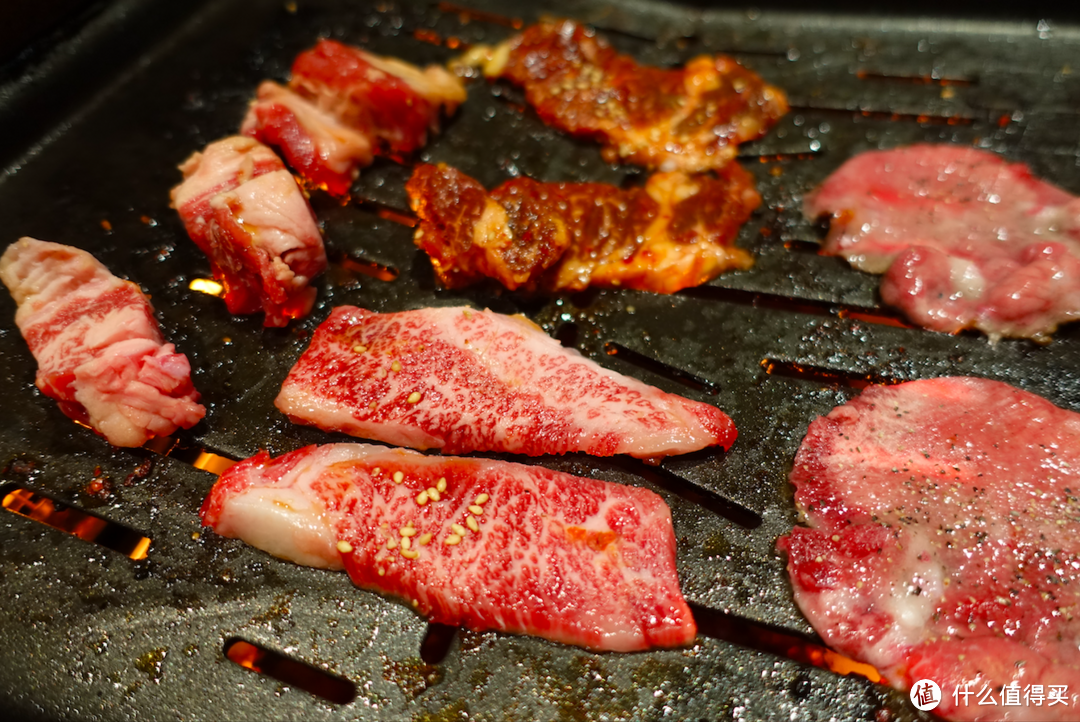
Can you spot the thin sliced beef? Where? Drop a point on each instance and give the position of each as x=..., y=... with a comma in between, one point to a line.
x=472, y=542
x=461, y=380
x=99, y=350
x=943, y=540
x=965, y=239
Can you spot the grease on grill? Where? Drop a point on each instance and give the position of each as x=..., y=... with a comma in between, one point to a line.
x=72, y=520
x=289, y=671
x=151, y=663
x=412, y=676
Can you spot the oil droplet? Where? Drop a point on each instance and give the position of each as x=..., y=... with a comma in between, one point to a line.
x=151, y=663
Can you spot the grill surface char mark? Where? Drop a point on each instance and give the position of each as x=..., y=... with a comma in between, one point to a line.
x=96, y=636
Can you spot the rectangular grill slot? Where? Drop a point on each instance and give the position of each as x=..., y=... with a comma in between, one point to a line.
x=871, y=317
x=437, y=641
x=797, y=246
x=797, y=305
x=806, y=372
x=747, y=633
x=808, y=154
x=605, y=30
x=611, y=348
x=390, y=214
x=916, y=79
x=922, y=118
x=206, y=285
x=370, y=268
x=72, y=520
x=197, y=457
x=433, y=38
x=717, y=504
x=290, y=671
x=465, y=15
x=684, y=41
x=567, y=335
x=213, y=463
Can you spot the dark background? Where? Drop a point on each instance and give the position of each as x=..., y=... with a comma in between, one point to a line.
x=27, y=27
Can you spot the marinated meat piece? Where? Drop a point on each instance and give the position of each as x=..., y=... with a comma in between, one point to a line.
x=965, y=239
x=322, y=150
x=388, y=100
x=467, y=235
x=689, y=119
x=247, y=214
x=461, y=380
x=944, y=540
x=472, y=542
x=100, y=353
x=676, y=232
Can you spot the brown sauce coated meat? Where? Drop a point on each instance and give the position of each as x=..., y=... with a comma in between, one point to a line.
x=455, y=210
x=675, y=232
x=691, y=119
x=583, y=223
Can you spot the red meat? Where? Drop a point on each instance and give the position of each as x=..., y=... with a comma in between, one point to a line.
x=250, y=218
x=472, y=542
x=944, y=540
x=326, y=153
x=964, y=238
x=461, y=380
x=393, y=102
x=99, y=350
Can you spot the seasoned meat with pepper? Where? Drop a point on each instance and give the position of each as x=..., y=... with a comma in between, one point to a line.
x=944, y=541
